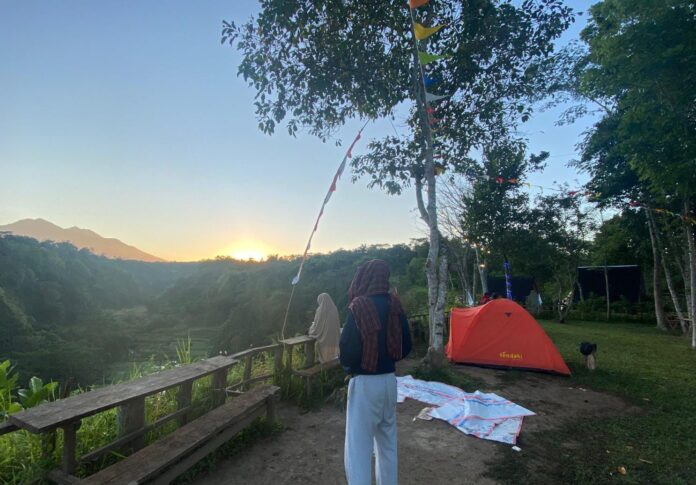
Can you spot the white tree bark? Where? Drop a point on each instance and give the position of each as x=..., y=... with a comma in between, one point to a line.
x=657, y=265
x=691, y=247
x=482, y=271
x=655, y=233
x=437, y=285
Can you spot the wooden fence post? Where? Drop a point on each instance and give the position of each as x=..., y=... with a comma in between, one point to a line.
x=309, y=354
x=219, y=386
x=69, y=461
x=131, y=418
x=288, y=359
x=249, y=362
x=278, y=364
x=271, y=410
x=183, y=399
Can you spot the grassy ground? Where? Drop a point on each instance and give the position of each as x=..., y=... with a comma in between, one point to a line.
x=652, y=370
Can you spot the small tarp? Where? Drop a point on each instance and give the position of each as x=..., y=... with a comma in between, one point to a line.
x=501, y=334
x=484, y=415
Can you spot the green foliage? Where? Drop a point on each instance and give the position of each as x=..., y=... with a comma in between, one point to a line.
x=317, y=65
x=183, y=351
x=8, y=384
x=639, y=58
x=37, y=393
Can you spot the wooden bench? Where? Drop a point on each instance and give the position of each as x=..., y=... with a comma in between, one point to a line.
x=309, y=373
x=129, y=398
x=169, y=457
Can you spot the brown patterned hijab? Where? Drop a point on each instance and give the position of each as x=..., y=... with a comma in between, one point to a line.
x=372, y=278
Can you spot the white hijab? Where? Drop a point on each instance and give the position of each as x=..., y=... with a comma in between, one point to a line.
x=326, y=329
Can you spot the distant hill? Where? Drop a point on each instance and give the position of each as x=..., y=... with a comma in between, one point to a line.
x=43, y=230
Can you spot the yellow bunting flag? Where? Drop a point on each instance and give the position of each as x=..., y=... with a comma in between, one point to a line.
x=425, y=58
x=417, y=3
x=423, y=32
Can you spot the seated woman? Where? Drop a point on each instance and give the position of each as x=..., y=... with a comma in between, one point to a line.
x=326, y=329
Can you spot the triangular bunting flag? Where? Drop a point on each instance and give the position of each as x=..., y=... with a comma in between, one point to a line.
x=423, y=32
x=429, y=97
x=425, y=58
x=429, y=81
x=417, y=3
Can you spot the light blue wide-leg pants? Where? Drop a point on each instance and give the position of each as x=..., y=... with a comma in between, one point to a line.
x=371, y=425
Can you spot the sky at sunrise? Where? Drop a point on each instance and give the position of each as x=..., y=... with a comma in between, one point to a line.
x=127, y=118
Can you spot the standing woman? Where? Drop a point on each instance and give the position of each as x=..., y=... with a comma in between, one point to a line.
x=326, y=329
x=376, y=335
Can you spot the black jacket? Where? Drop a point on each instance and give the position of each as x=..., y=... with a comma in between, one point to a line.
x=351, y=346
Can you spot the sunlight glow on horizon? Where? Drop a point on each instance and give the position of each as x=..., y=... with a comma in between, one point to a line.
x=247, y=254
x=246, y=250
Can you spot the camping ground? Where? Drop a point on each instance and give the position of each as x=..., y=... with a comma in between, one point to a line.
x=635, y=413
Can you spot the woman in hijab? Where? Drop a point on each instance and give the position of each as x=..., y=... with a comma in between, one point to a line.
x=326, y=329
x=375, y=336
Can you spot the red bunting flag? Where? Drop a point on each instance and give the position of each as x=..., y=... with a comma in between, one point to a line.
x=417, y=3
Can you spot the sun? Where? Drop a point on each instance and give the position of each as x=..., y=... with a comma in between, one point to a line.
x=248, y=254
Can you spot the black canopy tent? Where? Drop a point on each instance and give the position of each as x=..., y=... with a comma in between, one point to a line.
x=624, y=282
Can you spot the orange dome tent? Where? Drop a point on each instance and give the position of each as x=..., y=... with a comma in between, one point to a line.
x=501, y=334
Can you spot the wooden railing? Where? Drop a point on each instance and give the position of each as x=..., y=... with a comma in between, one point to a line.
x=129, y=397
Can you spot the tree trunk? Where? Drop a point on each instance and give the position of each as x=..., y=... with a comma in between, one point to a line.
x=606, y=290
x=667, y=271
x=474, y=270
x=437, y=280
x=483, y=273
x=691, y=246
x=657, y=265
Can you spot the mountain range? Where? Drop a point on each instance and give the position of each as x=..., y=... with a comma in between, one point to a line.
x=44, y=230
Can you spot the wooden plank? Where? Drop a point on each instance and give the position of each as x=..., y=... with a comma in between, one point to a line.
x=297, y=340
x=171, y=473
x=96, y=454
x=51, y=415
x=151, y=461
x=7, y=427
x=255, y=350
x=62, y=478
x=251, y=380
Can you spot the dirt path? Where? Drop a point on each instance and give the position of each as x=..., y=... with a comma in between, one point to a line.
x=310, y=450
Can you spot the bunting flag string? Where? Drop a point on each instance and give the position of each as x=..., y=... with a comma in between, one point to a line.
x=423, y=32
x=425, y=58
x=580, y=192
x=329, y=193
x=684, y=217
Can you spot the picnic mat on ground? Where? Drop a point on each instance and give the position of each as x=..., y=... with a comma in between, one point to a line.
x=484, y=415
